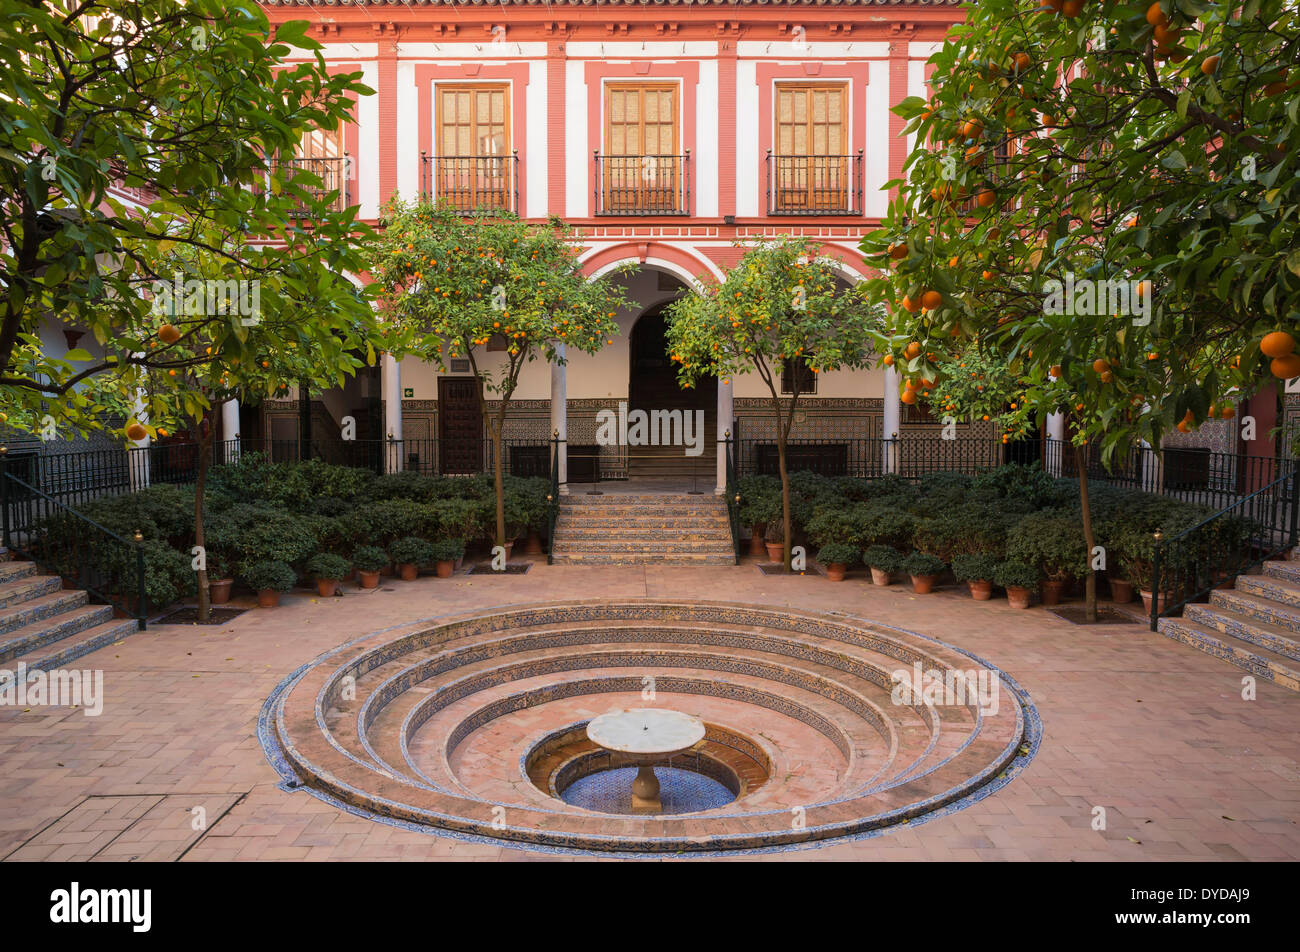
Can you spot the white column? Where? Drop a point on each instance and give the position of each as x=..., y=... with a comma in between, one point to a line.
x=138, y=466
x=391, y=371
x=1056, y=431
x=560, y=412
x=230, y=428
x=892, y=420
x=726, y=410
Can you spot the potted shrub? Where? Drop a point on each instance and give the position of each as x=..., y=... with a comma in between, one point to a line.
x=924, y=569
x=328, y=570
x=837, y=556
x=774, y=540
x=760, y=502
x=1019, y=579
x=976, y=570
x=408, y=554
x=883, y=561
x=369, y=559
x=1054, y=541
x=445, y=554
x=1137, y=561
x=220, y=579
x=1121, y=589
x=269, y=580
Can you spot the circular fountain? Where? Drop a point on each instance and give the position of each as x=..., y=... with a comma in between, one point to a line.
x=646, y=736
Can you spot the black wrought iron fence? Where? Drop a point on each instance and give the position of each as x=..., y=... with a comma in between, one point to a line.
x=814, y=184
x=472, y=182
x=643, y=184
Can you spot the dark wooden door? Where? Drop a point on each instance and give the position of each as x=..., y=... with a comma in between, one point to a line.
x=460, y=425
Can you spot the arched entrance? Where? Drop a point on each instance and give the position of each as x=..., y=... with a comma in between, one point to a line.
x=653, y=390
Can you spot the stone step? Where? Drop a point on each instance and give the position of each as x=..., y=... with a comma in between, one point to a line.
x=26, y=613
x=28, y=587
x=638, y=500
x=1256, y=607
x=1280, y=641
x=641, y=558
x=1274, y=589
x=649, y=546
x=1290, y=571
x=600, y=520
x=63, y=652
x=13, y=570
x=53, y=628
x=1212, y=642
x=620, y=533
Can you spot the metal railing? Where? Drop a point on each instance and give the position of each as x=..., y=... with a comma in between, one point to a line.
x=643, y=184
x=909, y=456
x=814, y=184
x=83, y=553
x=1189, y=565
x=732, y=494
x=332, y=173
x=472, y=182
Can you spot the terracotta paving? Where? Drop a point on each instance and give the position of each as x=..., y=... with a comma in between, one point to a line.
x=1152, y=731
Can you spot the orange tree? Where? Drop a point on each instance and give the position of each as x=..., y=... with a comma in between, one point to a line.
x=451, y=285
x=1103, y=197
x=778, y=304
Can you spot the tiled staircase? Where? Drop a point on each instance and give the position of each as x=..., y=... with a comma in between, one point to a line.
x=45, y=626
x=1255, y=625
x=648, y=529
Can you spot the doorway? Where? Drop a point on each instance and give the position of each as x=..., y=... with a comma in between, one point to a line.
x=460, y=425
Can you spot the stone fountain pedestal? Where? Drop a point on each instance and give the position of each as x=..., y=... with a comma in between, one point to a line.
x=646, y=736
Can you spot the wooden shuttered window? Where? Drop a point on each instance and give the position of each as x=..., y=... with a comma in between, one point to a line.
x=812, y=165
x=472, y=168
x=641, y=167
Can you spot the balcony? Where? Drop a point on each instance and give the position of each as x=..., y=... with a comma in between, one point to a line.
x=472, y=183
x=318, y=177
x=814, y=184
x=643, y=184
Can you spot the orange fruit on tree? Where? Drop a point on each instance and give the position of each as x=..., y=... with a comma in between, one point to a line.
x=169, y=334
x=1155, y=15
x=931, y=300
x=1277, y=344
x=1101, y=365
x=898, y=251
x=1079, y=407
x=889, y=360
x=987, y=275
x=1227, y=413
x=986, y=198
x=911, y=350
x=1055, y=371
x=908, y=396
x=1210, y=65
x=1021, y=62
x=1183, y=427
x=161, y=431
x=954, y=261
x=1284, y=368
x=1054, y=5
x=1072, y=8
x=910, y=305
x=972, y=129
x=136, y=432
x=1165, y=35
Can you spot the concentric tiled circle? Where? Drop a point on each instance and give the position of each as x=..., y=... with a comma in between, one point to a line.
x=852, y=726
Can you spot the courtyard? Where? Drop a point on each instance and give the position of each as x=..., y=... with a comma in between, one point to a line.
x=1154, y=733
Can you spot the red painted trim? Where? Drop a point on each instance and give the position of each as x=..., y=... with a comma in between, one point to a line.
x=856, y=74
x=351, y=133
x=639, y=251
x=388, y=118
x=556, y=118
x=427, y=75
x=598, y=71
x=727, y=91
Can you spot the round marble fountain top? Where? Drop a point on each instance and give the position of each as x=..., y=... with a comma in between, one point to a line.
x=646, y=730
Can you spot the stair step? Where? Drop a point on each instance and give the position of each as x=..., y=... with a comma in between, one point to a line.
x=1289, y=571
x=1212, y=643
x=26, y=588
x=1257, y=607
x=1262, y=634
x=1274, y=589
x=51, y=629
x=642, y=558
x=25, y=613
x=14, y=570
x=61, y=653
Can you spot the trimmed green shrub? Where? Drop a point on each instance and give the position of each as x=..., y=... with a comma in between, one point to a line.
x=942, y=483
x=387, y=520
x=1051, y=540
x=369, y=558
x=885, y=526
x=1012, y=574
x=967, y=567
x=883, y=557
x=325, y=565
x=248, y=533
x=448, y=550
x=270, y=576
x=1024, y=481
x=411, y=550
x=919, y=563
x=834, y=527
x=838, y=552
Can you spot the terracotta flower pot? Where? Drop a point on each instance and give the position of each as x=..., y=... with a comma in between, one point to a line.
x=268, y=598
x=1052, y=590
x=534, y=544
x=835, y=571
x=326, y=587
x=1018, y=597
x=775, y=551
x=881, y=577
x=388, y=571
x=756, y=546
x=410, y=571
x=352, y=575
x=219, y=591
x=445, y=568
x=981, y=589
x=922, y=584
x=1121, y=592
x=1162, y=600
x=368, y=579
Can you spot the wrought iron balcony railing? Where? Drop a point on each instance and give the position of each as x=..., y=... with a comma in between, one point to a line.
x=643, y=184
x=814, y=184
x=472, y=182
x=333, y=175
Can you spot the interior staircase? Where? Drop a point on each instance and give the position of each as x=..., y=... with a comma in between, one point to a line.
x=643, y=529
x=45, y=626
x=1254, y=625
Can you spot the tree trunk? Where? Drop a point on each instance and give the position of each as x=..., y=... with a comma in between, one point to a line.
x=1090, y=587
x=205, y=456
x=785, y=494
x=496, y=475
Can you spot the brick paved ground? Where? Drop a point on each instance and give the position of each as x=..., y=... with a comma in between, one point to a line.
x=1153, y=731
